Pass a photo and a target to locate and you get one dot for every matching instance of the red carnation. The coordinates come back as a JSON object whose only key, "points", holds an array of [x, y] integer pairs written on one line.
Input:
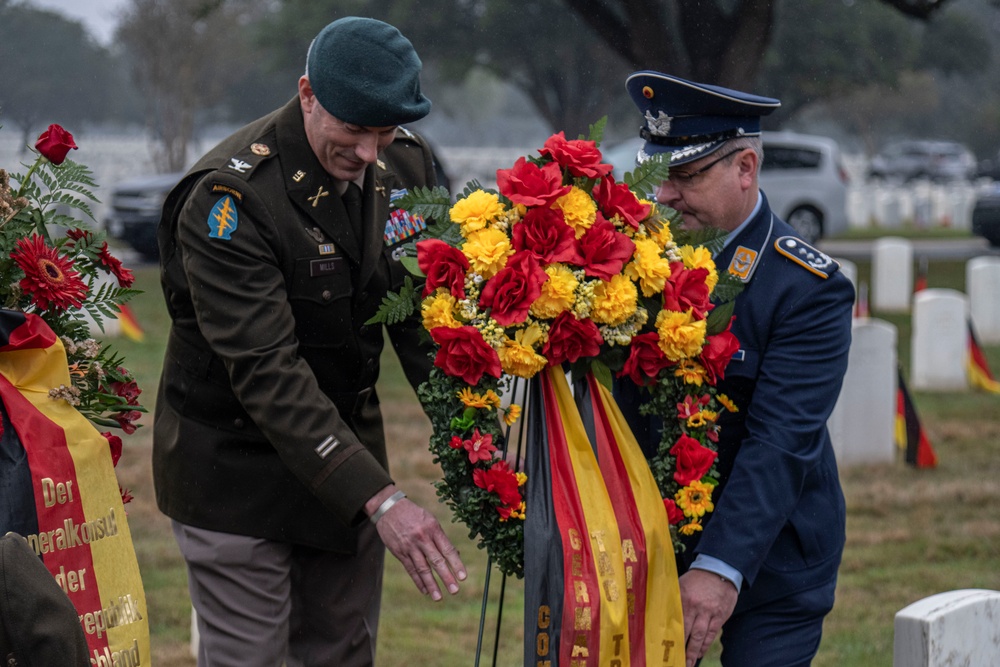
{"points": [[581, 157], [54, 143], [571, 339], [693, 460], [605, 250], [616, 199], [464, 354], [674, 513], [499, 479], [527, 183], [717, 353], [510, 293], [645, 359], [544, 233], [444, 266], [686, 288]]}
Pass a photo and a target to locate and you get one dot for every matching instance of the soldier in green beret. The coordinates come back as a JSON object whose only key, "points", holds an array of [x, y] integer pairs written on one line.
{"points": [[269, 451]]}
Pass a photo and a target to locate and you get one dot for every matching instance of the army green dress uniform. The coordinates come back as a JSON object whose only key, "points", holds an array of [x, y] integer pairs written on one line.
{"points": [[267, 422]]}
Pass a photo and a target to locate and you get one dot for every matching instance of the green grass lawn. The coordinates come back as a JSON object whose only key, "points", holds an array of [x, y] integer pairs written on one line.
{"points": [[911, 533]]}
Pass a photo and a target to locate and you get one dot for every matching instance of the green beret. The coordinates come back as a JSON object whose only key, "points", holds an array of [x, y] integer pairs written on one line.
{"points": [[365, 72]]}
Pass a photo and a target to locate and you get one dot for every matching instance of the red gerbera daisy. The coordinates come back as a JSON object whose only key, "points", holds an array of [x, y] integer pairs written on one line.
{"points": [[48, 278], [114, 267]]}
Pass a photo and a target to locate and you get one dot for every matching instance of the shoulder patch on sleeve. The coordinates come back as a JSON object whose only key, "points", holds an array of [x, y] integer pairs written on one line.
{"points": [[223, 219], [806, 256]]}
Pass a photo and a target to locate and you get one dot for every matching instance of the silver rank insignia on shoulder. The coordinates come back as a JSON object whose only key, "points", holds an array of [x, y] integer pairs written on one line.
{"points": [[806, 256], [239, 165]]}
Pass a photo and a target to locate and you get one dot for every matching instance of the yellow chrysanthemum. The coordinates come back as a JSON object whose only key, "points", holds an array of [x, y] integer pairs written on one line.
{"points": [[691, 528], [614, 301], [487, 251], [647, 267], [681, 336], [579, 210], [701, 258], [695, 499], [521, 478], [727, 403], [511, 414], [470, 399], [438, 310], [518, 356], [691, 371], [476, 211], [557, 292]]}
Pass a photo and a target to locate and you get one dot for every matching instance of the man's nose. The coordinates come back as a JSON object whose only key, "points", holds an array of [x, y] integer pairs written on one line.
{"points": [[367, 148], [667, 193]]}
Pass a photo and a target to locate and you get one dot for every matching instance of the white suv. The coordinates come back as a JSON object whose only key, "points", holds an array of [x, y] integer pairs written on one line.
{"points": [[805, 182], [802, 176]]}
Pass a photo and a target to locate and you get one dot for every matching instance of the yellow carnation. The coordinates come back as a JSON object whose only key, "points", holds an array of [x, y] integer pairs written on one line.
{"points": [[614, 301], [681, 336], [518, 356], [487, 251], [438, 310], [476, 211], [701, 258], [579, 210], [648, 267], [557, 292]]}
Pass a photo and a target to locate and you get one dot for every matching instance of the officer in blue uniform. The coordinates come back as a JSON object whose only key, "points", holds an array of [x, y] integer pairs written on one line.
{"points": [[765, 567]]}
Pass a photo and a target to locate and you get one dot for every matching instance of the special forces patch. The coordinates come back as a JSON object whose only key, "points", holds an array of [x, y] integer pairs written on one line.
{"points": [[223, 219], [401, 224], [806, 256]]}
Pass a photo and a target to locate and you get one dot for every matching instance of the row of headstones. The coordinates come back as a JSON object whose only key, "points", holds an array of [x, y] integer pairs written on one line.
{"points": [[921, 204], [863, 423]]}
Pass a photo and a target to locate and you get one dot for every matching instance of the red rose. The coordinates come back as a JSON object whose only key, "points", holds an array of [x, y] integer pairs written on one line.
{"points": [[115, 443], [581, 157], [510, 293], [674, 513], [717, 353], [444, 266], [54, 143], [527, 183], [499, 479], [605, 250], [686, 288], [570, 339], [693, 460], [616, 199], [464, 354], [544, 233], [645, 359]]}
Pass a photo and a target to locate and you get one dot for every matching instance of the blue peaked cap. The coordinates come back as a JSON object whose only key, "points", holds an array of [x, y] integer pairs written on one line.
{"points": [[691, 120]]}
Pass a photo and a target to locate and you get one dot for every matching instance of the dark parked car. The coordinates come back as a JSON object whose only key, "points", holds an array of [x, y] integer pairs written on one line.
{"points": [[935, 160], [134, 211], [986, 215]]}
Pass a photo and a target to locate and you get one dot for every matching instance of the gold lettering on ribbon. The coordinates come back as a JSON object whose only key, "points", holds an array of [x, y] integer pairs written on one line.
{"points": [[574, 539], [580, 592], [577, 565], [668, 646], [542, 638], [628, 552], [580, 647], [582, 621]]}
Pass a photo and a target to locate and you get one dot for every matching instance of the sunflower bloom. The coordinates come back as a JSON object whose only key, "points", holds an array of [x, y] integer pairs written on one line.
{"points": [[487, 251], [470, 399], [518, 356], [727, 403], [695, 499], [48, 278], [691, 528], [647, 267], [438, 311], [680, 335], [701, 258], [512, 414], [614, 301], [691, 371], [476, 211], [491, 398], [579, 210], [557, 292]]}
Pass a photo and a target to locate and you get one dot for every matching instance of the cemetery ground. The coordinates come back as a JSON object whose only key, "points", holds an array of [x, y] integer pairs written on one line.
{"points": [[910, 533]]}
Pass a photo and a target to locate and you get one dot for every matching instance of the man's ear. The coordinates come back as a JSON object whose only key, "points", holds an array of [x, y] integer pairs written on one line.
{"points": [[747, 163], [307, 99]]}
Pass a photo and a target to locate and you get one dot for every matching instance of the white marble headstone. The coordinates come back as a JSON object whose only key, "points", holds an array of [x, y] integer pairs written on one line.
{"points": [[954, 629], [863, 421], [892, 275], [940, 340], [982, 282]]}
